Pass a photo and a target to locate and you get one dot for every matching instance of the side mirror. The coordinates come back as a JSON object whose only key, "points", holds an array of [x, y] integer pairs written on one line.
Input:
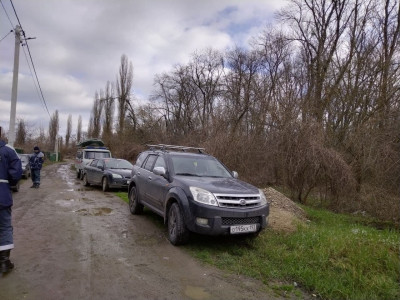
{"points": [[235, 174], [160, 171]]}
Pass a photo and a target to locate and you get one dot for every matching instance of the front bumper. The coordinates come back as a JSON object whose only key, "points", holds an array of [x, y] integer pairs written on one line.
{"points": [[119, 183], [220, 220]]}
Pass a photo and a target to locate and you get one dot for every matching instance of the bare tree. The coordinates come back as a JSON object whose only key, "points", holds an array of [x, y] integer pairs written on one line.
{"points": [[69, 130], [79, 130], [21, 134], [54, 127], [318, 27], [108, 112], [124, 86], [95, 117]]}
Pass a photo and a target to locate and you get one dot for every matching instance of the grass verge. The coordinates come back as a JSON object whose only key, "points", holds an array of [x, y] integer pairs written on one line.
{"points": [[334, 257]]}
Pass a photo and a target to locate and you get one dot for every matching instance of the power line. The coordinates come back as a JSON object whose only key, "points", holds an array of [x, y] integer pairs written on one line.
{"points": [[30, 70], [6, 35], [12, 26], [33, 65]]}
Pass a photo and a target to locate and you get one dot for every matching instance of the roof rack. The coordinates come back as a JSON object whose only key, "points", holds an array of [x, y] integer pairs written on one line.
{"points": [[173, 147]]}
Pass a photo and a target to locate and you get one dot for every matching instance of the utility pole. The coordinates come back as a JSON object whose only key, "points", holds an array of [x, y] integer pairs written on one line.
{"points": [[11, 136]]}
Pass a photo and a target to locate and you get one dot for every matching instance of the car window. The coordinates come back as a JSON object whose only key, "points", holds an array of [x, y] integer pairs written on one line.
{"points": [[160, 162], [100, 164], [140, 159], [95, 154], [94, 163], [24, 158], [202, 166], [149, 162], [118, 164]]}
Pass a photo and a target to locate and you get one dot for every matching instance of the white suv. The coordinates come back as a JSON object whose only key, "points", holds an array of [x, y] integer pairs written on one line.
{"points": [[86, 155]]}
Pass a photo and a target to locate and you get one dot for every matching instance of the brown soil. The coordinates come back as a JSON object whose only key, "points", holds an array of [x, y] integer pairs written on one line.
{"points": [[285, 215]]}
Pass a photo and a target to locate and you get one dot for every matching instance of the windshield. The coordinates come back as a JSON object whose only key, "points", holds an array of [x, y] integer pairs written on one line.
{"points": [[199, 166], [118, 164], [96, 154], [24, 158]]}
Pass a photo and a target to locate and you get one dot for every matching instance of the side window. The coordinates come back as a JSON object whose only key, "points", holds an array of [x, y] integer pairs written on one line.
{"points": [[149, 162], [100, 163], [93, 163], [140, 159], [160, 162]]}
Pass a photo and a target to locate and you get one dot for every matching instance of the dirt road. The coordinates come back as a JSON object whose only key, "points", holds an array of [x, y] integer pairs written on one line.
{"points": [[76, 242]]}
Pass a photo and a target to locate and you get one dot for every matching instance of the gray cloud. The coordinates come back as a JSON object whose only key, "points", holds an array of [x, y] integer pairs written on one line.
{"points": [[79, 45]]}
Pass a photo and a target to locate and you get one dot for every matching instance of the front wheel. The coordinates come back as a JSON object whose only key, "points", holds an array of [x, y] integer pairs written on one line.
{"points": [[85, 181], [134, 206], [105, 185], [178, 234]]}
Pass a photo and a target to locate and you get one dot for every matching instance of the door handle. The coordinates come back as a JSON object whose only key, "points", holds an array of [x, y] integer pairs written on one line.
{"points": [[149, 178]]}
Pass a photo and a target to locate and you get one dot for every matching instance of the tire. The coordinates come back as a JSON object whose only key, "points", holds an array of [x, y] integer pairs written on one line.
{"points": [[105, 185], [85, 181], [134, 205], [78, 174], [177, 231], [81, 175]]}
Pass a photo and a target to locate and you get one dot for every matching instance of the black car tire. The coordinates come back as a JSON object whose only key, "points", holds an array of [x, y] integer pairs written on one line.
{"points": [[105, 184], [177, 231], [134, 205], [78, 174], [85, 181]]}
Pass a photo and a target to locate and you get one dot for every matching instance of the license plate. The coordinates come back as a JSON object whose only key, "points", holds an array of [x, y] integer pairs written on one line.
{"points": [[243, 228]]}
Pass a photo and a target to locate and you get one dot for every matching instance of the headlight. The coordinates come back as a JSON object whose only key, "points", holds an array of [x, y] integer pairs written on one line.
{"points": [[262, 197], [203, 196], [116, 175]]}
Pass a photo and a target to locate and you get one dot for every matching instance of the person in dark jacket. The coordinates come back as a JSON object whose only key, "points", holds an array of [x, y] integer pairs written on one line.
{"points": [[36, 162], [10, 174]]}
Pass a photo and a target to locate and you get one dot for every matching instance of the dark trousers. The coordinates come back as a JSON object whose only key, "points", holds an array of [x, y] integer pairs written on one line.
{"points": [[35, 176], [6, 229]]}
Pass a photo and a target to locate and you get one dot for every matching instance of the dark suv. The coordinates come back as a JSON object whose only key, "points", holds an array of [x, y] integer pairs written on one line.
{"points": [[195, 192]]}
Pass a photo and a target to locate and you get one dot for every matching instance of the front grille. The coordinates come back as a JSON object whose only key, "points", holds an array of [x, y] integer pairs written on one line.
{"points": [[240, 221], [238, 201]]}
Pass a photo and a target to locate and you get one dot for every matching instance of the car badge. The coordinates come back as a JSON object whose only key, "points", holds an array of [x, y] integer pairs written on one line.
{"points": [[242, 202]]}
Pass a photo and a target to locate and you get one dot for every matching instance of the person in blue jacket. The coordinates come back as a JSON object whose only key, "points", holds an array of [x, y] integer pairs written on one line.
{"points": [[36, 161], [10, 174]]}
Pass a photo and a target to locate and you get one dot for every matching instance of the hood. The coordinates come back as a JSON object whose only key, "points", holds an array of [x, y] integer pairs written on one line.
{"points": [[219, 185], [123, 172]]}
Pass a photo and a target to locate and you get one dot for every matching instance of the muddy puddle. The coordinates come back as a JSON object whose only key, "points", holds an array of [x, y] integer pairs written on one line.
{"points": [[98, 211], [196, 293]]}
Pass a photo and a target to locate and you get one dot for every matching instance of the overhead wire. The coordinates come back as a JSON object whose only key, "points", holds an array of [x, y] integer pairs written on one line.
{"points": [[12, 26], [33, 65], [30, 70], [6, 35]]}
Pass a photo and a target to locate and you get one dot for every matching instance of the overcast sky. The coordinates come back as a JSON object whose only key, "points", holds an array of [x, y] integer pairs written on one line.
{"points": [[79, 44]]}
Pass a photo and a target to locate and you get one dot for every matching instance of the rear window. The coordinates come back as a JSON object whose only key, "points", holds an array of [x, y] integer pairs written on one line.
{"points": [[96, 154], [140, 159]]}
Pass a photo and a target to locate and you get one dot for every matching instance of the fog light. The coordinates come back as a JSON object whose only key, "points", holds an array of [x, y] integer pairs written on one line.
{"points": [[202, 221]]}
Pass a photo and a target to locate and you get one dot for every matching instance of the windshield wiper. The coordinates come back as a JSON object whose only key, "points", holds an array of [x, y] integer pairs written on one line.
{"points": [[188, 174]]}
